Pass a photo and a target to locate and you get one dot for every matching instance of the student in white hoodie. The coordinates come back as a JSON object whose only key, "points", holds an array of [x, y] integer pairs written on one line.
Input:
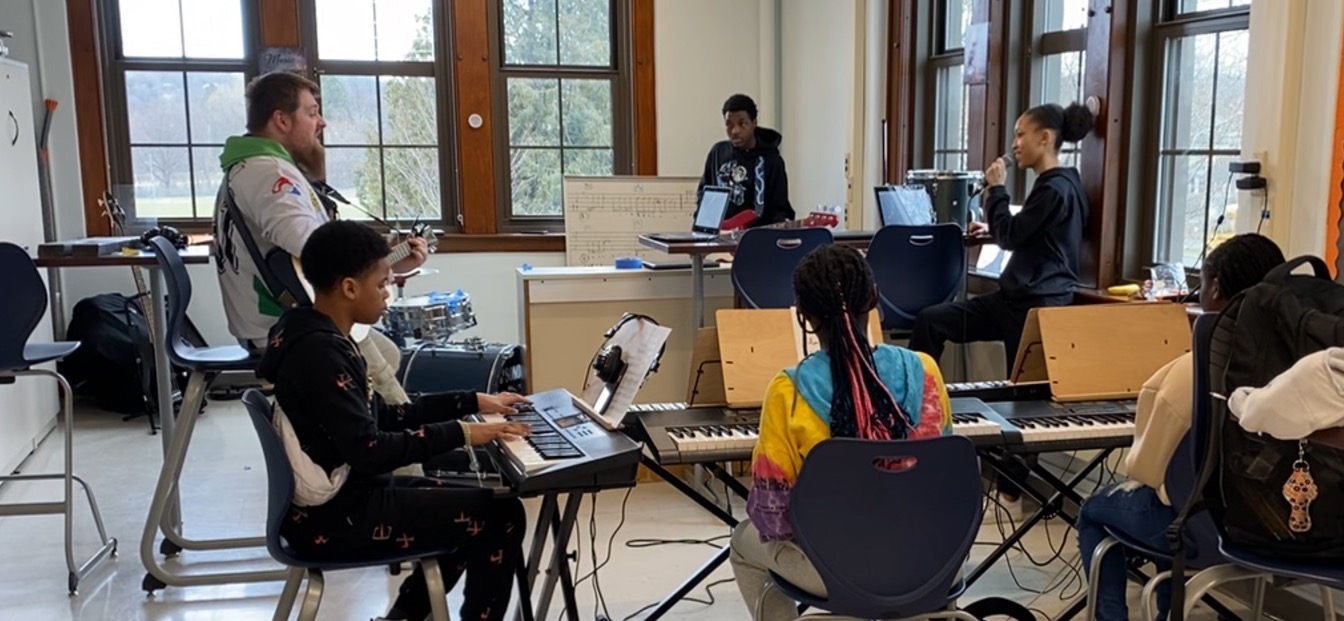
{"points": [[1140, 507]]}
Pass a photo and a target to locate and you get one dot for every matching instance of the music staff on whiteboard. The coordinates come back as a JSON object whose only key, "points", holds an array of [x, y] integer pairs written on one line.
{"points": [[749, 164]]}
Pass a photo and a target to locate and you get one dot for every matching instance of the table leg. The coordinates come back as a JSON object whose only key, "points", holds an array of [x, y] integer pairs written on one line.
{"points": [[698, 290]]}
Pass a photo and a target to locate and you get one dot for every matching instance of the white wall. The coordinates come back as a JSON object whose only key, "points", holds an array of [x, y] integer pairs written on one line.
{"points": [[704, 51], [1290, 118], [818, 86]]}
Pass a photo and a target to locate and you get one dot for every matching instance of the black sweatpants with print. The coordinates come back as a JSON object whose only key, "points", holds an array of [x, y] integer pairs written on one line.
{"points": [[371, 517]]}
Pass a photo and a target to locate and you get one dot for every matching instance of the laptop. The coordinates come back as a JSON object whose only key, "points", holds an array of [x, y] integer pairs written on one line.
{"points": [[906, 205], [708, 219]]}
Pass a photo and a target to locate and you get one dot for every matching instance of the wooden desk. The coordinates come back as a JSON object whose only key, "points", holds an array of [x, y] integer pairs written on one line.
{"points": [[191, 255], [697, 250], [198, 254]]}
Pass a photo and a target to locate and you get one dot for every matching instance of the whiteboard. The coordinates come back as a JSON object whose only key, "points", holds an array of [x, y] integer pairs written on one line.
{"points": [[604, 216]]}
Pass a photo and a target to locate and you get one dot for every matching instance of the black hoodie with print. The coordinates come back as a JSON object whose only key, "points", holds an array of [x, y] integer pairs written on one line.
{"points": [[321, 384], [755, 178]]}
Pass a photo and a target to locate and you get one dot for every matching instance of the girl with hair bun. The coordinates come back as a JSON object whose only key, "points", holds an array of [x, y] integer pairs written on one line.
{"points": [[1045, 239]]}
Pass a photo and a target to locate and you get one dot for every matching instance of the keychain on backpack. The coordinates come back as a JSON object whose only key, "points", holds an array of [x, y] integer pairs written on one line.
{"points": [[1300, 490]]}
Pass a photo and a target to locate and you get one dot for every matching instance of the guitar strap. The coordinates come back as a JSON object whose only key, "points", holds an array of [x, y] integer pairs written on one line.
{"points": [[282, 294]]}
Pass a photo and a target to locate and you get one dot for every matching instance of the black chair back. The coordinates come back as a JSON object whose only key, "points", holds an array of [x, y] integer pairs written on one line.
{"points": [[888, 525], [279, 474], [916, 267], [22, 304], [764, 262]]}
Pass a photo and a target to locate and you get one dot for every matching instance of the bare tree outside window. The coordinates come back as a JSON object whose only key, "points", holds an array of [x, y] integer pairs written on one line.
{"points": [[561, 80], [1202, 104], [175, 77]]}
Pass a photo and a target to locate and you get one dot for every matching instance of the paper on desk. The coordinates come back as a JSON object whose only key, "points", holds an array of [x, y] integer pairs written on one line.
{"points": [[640, 340]]}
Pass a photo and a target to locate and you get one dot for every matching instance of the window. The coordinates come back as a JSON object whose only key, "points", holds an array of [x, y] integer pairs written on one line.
{"points": [[1059, 55], [175, 73], [1203, 91], [950, 107], [384, 99], [564, 86]]}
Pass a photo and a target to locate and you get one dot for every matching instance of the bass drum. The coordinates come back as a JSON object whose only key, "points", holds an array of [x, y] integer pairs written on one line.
{"points": [[463, 365]]}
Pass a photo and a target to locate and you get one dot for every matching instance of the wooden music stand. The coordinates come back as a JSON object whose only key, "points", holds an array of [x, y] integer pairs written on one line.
{"points": [[1099, 351], [756, 344], [704, 386]]}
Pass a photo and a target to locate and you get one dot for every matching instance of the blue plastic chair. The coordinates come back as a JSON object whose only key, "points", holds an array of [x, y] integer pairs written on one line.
{"points": [[205, 363], [888, 542], [915, 267], [764, 262], [280, 486], [22, 306], [1201, 535]]}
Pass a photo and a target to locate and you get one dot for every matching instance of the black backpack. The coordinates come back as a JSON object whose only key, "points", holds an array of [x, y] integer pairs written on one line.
{"points": [[1263, 332], [114, 365]]}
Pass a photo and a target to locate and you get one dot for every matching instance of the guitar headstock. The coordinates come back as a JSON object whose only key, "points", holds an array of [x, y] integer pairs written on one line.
{"points": [[114, 212], [425, 230]]}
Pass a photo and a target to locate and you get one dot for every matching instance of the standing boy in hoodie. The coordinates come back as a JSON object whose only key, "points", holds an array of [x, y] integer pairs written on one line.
{"points": [[748, 163]]}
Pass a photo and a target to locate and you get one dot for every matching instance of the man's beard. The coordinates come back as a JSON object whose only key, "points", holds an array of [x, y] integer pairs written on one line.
{"points": [[313, 162]]}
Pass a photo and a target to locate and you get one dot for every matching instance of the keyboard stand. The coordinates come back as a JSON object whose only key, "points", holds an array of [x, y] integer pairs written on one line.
{"points": [[719, 557], [550, 522]]}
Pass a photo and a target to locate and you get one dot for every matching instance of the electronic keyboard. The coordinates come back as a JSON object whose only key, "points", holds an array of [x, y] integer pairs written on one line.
{"points": [[1048, 426], [567, 451], [679, 434], [1000, 390]]}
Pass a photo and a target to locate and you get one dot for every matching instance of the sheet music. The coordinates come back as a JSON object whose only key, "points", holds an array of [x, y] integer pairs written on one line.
{"points": [[604, 216], [640, 341]]}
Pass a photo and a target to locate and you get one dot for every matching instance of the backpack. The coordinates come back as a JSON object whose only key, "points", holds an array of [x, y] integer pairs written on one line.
{"points": [[1263, 332], [114, 365]]}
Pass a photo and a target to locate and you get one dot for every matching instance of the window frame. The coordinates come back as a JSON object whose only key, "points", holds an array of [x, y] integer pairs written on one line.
{"points": [[1169, 27], [450, 212], [1039, 45], [941, 56], [116, 114], [621, 76]]}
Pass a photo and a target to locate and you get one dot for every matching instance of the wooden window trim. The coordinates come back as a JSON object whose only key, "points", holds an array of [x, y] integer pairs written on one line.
{"points": [[278, 24]]}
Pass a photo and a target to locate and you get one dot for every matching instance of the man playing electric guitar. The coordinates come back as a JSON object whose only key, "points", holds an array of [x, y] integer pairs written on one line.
{"points": [[266, 203]]}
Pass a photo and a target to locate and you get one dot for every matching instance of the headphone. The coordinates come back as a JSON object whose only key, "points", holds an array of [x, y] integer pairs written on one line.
{"points": [[174, 237], [609, 362]]}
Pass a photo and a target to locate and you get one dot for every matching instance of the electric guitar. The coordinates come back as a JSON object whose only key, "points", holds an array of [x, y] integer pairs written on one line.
{"points": [[289, 272]]}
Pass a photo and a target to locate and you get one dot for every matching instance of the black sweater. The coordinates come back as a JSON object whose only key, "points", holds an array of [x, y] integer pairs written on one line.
{"points": [[1045, 237], [321, 383]]}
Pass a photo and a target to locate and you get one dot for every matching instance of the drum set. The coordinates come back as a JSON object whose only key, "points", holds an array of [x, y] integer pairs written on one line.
{"points": [[433, 317]]}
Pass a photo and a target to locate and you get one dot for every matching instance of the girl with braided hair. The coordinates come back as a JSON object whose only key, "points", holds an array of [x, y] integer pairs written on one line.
{"points": [[847, 389], [1139, 507]]}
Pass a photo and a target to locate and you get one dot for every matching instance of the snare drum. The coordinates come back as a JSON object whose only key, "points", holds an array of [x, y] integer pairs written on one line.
{"points": [[433, 317]]}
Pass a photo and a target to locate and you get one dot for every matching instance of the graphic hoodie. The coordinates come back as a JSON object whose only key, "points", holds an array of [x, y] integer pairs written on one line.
{"points": [[322, 386], [756, 179], [280, 209]]}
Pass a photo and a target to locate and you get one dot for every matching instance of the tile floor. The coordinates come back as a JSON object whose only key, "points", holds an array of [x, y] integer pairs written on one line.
{"points": [[224, 495]]}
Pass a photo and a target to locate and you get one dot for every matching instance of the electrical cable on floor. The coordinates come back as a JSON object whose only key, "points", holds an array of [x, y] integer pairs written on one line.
{"points": [[709, 590]]}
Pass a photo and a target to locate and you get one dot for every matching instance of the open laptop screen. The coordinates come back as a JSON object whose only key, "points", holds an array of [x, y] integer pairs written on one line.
{"points": [[713, 204], [904, 205]]}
